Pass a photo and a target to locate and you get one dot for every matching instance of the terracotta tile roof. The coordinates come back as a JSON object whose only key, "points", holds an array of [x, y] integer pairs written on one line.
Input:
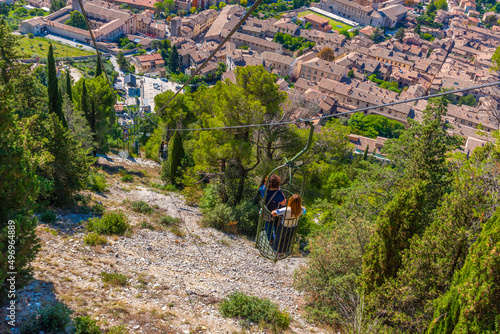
{"points": [[316, 19]]}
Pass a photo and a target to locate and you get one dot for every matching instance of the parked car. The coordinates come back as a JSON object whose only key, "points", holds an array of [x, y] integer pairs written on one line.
{"points": [[164, 79]]}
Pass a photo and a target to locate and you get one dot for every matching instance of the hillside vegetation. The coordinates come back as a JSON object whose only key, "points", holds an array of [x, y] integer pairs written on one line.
{"points": [[407, 244]]}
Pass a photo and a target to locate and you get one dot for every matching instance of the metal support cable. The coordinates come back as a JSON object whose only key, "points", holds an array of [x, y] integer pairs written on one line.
{"points": [[347, 112], [238, 25]]}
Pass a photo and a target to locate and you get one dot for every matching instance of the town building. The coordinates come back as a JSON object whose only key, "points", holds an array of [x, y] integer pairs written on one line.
{"points": [[318, 23], [255, 43], [148, 26], [375, 12], [283, 65], [107, 24], [317, 69], [228, 18], [146, 63], [194, 25]]}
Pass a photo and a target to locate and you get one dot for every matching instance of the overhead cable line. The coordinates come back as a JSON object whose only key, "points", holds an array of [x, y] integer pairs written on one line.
{"points": [[99, 59], [344, 113], [221, 44]]}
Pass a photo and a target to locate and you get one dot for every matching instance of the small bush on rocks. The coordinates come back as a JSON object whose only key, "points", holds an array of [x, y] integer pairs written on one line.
{"points": [[110, 223], [93, 239], [249, 308], [141, 207], [170, 187], [210, 197], [169, 220], [220, 217], [48, 217], [148, 226], [192, 195], [97, 182], [114, 279], [127, 178], [98, 208], [118, 330], [51, 318], [177, 231], [85, 325], [246, 213]]}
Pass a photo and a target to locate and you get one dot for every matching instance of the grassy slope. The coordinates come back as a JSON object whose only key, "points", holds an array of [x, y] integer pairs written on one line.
{"points": [[60, 50], [333, 23]]}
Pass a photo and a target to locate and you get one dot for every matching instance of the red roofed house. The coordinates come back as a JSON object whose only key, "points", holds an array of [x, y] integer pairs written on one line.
{"points": [[149, 62], [318, 23], [368, 31]]}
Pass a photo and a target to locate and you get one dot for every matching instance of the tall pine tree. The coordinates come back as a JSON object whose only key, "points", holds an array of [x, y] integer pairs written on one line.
{"points": [[55, 102], [420, 153], [68, 86]]}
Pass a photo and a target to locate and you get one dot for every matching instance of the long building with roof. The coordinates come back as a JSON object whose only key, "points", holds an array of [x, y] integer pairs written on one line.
{"points": [[107, 24], [376, 13]]}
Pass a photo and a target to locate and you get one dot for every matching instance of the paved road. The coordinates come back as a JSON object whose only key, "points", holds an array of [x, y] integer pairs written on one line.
{"points": [[115, 65], [69, 42]]}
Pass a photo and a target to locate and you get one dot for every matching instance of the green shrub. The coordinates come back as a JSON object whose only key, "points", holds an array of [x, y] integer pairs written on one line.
{"points": [[147, 225], [85, 325], [192, 195], [170, 187], [127, 178], [220, 217], [114, 279], [177, 231], [118, 330], [30, 36], [98, 208], [169, 220], [254, 309], [51, 318], [141, 207], [246, 213], [48, 217], [83, 199], [210, 198], [97, 182], [93, 239], [111, 223]]}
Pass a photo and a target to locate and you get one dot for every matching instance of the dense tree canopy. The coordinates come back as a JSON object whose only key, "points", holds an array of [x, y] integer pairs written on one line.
{"points": [[77, 20]]}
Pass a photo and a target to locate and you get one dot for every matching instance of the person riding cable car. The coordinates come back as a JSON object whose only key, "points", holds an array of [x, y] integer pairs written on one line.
{"points": [[288, 224], [275, 199]]}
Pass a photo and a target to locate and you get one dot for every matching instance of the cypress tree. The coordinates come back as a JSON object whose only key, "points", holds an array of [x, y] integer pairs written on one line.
{"points": [[98, 69], [84, 103], [365, 155], [174, 60], [176, 155], [92, 122], [59, 108], [55, 103], [68, 86]]}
